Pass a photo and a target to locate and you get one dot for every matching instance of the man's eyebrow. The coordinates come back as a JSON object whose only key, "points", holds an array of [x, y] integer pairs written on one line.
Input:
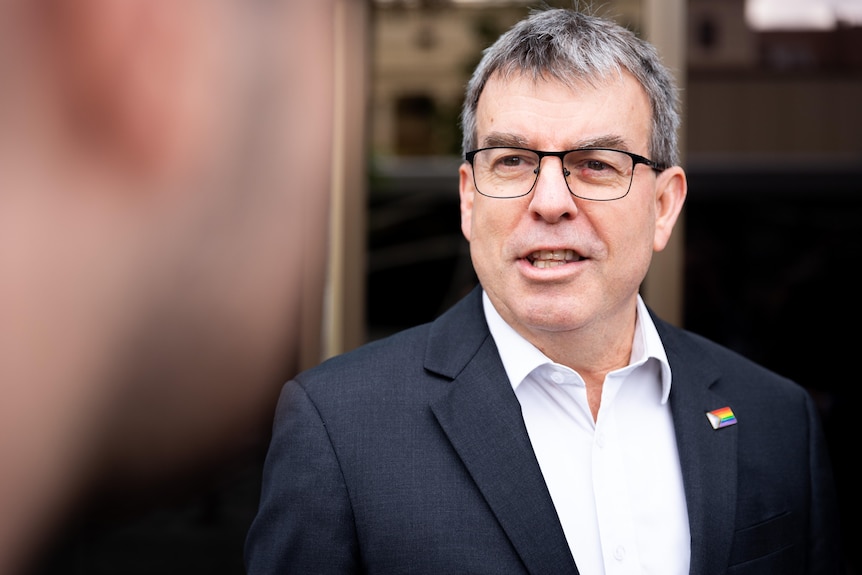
{"points": [[609, 141], [507, 139], [504, 139]]}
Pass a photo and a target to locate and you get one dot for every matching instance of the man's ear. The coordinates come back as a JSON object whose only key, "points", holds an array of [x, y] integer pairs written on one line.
{"points": [[671, 190], [467, 192]]}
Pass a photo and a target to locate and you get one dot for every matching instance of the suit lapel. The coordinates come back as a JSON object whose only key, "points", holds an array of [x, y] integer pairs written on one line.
{"points": [[708, 456], [482, 419]]}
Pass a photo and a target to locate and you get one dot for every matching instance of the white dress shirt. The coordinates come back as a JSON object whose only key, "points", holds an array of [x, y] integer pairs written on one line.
{"points": [[616, 482]]}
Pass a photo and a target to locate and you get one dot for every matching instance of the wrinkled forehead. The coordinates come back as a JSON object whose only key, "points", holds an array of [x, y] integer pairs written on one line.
{"points": [[568, 88], [526, 110]]}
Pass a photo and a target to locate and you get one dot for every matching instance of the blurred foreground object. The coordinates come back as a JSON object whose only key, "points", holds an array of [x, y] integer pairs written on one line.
{"points": [[164, 179]]}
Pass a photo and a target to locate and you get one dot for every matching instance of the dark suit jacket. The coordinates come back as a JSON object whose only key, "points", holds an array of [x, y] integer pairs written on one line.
{"points": [[410, 455]]}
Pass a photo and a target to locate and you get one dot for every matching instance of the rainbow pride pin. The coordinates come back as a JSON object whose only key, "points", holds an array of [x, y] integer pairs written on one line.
{"points": [[722, 417]]}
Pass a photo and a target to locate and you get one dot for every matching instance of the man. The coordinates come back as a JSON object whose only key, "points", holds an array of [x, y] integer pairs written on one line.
{"points": [[549, 422], [163, 203]]}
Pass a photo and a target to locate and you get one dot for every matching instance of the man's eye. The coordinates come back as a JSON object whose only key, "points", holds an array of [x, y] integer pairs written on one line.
{"points": [[595, 165]]}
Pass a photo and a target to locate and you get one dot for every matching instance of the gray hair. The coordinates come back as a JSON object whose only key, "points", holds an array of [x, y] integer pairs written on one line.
{"points": [[572, 47]]}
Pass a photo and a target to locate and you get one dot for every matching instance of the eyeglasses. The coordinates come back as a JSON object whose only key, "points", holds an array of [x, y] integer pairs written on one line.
{"points": [[599, 174]]}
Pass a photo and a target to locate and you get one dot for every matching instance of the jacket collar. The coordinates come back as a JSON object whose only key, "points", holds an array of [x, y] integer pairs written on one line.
{"points": [[482, 419], [708, 456]]}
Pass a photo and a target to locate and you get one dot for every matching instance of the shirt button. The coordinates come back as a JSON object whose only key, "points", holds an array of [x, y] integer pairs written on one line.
{"points": [[620, 553], [600, 439], [557, 377]]}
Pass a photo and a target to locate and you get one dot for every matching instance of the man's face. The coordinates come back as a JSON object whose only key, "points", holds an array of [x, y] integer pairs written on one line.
{"points": [[612, 241]]}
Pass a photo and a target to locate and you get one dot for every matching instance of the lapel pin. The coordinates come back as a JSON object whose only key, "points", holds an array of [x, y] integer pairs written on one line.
{"points": [[722, 417]]}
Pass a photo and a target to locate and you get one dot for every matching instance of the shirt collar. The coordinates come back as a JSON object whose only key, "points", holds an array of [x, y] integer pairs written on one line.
{"points": [[520, 357]]}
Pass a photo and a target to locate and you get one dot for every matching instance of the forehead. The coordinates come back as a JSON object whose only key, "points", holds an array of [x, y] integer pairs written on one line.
{"points": [[548, 114]]}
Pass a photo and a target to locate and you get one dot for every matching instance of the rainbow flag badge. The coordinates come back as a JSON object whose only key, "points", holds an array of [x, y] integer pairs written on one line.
{"points": [[722, 417]]}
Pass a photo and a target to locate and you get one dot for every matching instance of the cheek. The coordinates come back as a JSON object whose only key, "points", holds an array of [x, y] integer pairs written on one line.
{"points": [[491, 226], [493, 222], [628, 233]]}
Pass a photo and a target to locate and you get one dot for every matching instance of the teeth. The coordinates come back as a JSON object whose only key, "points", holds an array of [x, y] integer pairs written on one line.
{"points": [[552, 258]]}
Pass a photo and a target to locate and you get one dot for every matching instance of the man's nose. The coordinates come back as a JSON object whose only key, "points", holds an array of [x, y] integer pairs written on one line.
{"points": [[551, 198]]}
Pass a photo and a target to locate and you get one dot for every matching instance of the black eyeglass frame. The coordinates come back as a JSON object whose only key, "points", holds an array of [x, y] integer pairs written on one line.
{"points": [[636, 159]]}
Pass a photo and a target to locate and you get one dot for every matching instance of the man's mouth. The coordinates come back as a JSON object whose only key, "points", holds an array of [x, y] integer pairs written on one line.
{"points": [[552, 258]]}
